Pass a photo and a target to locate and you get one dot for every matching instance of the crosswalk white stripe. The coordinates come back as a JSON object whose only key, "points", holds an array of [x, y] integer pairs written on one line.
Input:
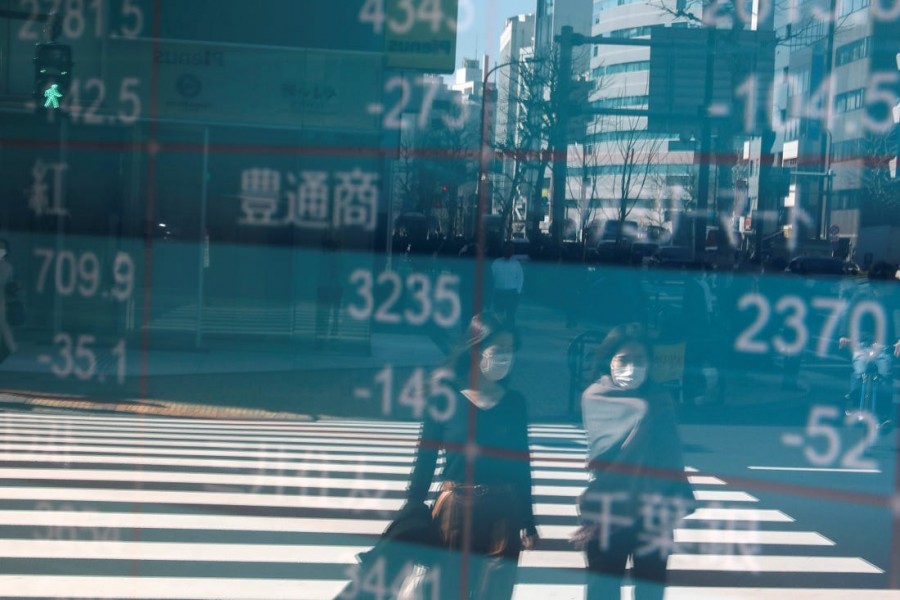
{"points": [[268, 426], [770, 564], [212, 498], [717, 496], [143, 520], [220, 498], [229, 431], [154, 588], [74, 452], [753, 536], [290, 481], [173, 551], [739, 514], [267, 462], [720, 593], [34, 443], [346, 555], [139, 443], [203, 588], [322, 438], [705, 480], [75, 429], [187, 422], [295, 480]]}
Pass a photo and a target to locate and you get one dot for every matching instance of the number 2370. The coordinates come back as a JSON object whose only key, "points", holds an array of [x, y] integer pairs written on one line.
{"points": [[439, 302]]}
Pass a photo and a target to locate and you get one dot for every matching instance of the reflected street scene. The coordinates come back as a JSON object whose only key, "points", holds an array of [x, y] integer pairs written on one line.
{"points": [[449, 299]]}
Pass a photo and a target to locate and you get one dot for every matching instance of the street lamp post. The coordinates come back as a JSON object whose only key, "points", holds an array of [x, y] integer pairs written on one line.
{"points": [[484, 158]]}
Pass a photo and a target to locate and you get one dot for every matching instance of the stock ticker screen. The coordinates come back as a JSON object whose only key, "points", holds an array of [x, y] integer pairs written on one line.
{"points": [[449, 299]]}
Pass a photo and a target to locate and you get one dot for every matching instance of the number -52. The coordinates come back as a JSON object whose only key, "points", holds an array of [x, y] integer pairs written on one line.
{"points": [[819, 428]]}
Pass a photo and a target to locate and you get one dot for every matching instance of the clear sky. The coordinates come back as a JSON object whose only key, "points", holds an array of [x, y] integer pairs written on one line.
{"points": [[487, 26]]}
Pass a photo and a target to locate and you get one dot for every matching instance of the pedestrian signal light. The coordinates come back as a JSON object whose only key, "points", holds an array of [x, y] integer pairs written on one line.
{"points": [[52, 74]]}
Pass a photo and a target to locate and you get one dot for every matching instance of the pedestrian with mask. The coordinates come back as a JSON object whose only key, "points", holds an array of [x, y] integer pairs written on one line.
{"points": [[638, 489], [483, 512]]}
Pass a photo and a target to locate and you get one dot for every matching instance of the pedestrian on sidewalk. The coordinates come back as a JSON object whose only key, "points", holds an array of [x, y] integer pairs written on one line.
{"points": [[7, 340], [638, 491], [483, 511], [508, 278]]}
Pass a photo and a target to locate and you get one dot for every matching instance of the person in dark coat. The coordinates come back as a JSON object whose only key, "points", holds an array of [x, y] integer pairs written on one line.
{"points": [[483, 511], [638, 489]]}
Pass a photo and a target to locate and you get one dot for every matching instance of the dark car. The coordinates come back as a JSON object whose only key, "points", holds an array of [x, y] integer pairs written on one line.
{"points": [[676, 257], [822, 265]]}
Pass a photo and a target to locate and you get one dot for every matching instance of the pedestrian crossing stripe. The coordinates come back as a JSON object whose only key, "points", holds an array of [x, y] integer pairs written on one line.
{"points": [[197, 483]]}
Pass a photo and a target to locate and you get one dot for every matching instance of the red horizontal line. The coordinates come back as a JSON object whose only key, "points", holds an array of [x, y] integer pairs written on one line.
{"points": [[723, 158]]}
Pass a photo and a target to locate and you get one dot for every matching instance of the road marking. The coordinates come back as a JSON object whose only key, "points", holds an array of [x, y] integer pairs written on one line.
{"points": [[770, 564], [716, 496], [76, 452], [739, 514], [745, 536], [705, 480], [374, 439], [63, 518], [142, 444], [814, 469]]}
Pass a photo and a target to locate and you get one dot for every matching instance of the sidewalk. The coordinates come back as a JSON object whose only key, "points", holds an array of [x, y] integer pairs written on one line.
{"points": [[278, 378]]}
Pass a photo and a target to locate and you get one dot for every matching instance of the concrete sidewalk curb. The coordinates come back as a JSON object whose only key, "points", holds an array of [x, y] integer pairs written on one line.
{"points": [[156, 408]]}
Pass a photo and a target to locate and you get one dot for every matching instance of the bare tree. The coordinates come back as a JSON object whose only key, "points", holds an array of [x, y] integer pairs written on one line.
{"points": [[629, 161], [532, 111], [584, 158], [880, 192]]}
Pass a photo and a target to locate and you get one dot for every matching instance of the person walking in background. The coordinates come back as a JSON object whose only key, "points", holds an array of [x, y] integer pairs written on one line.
{"points": [[638, 491], [7, 340], [508, 281], [483, 512]]}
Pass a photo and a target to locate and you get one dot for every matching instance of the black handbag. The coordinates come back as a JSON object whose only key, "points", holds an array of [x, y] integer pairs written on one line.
{"points": [[15, 308]]}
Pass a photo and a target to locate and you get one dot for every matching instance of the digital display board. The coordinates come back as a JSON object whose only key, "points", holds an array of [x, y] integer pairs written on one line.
{"points": [[292, 305]]}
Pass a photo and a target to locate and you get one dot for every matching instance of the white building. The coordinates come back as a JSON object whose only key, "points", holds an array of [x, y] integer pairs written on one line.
{"points": [[619, 162]]}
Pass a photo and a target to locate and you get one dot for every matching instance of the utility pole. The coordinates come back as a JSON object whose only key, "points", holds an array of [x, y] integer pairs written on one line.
{"points": [[560, 141]]}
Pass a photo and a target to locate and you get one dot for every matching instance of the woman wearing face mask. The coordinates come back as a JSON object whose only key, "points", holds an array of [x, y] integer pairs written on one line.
{"points": [[484, 510], [638, 489], [6, 276]]}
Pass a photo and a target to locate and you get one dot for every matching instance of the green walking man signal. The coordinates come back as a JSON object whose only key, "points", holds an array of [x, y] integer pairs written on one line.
{"points": [[52, 95]]}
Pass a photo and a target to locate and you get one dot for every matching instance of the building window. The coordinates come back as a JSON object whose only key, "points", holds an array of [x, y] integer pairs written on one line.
{"points": [[607, 4], [851, 6], [630, 32], [622, 102], [853, 51], [627, 67], [849, 101]]}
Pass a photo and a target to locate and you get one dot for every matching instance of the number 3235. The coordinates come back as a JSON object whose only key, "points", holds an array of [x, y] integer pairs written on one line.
{"points": [[423, 301]]}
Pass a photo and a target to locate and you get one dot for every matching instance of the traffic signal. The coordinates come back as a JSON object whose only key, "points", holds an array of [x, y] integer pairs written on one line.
{"points": [[52, 74]]}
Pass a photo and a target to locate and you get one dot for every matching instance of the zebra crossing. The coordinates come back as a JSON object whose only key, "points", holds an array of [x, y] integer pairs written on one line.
{"points": [[129, 507]]}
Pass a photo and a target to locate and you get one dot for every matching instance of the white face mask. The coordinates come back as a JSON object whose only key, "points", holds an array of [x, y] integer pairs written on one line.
{"points": [[496, 364], [629, 369]]}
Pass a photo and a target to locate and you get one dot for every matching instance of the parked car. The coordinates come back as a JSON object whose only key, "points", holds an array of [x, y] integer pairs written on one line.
{"points": [[676, 257], [822, 265]]}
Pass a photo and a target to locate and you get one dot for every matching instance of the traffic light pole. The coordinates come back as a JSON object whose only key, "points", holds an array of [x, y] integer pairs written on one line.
{"points": [[567, 40], [560, 139]]}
